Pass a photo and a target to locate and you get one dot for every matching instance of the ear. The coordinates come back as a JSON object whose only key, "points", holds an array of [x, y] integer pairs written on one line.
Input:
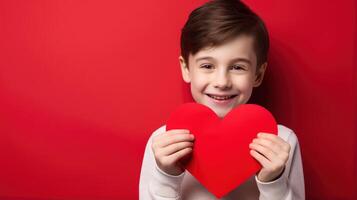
{"points": [[259, 75], [184, 70]]}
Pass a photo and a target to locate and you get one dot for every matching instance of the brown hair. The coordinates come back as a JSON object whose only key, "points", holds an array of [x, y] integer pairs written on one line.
{"points": [[218, 21]]}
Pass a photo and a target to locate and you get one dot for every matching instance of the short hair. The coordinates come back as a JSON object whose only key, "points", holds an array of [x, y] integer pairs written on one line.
{"points": [[218, 21]]}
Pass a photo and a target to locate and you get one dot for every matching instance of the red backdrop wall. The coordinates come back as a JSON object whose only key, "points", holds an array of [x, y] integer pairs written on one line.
{"points": [[84, 83]]}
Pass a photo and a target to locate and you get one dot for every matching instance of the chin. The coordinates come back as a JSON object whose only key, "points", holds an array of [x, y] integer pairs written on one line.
{"points": [[222, 113]]}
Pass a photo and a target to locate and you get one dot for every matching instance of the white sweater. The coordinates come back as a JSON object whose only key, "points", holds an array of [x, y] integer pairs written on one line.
{"points": [[155, 184]]}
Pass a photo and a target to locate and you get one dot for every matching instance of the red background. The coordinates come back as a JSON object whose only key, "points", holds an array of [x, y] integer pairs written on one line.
{"points": [[84, 83]]}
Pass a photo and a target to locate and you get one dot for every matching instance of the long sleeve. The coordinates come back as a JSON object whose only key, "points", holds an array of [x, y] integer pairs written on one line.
{"points": [[154, 183], [290, 185]]}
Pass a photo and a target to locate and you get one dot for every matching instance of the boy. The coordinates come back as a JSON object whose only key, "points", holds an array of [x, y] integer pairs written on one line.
{"points": [[224, 47]]}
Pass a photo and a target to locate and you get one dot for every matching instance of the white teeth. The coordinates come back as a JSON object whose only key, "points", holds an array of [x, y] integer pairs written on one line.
{"points": [[221, 97]]}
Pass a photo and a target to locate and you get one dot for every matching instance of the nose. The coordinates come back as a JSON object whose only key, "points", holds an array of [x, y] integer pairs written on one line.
{"points": [[222, 80]]}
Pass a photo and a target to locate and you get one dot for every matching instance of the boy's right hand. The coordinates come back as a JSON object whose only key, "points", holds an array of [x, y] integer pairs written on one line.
{"points": [[170, 147]]}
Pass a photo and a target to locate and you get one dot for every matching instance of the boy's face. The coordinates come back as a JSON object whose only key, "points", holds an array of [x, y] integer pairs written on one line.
{"points": [[223, 77]]}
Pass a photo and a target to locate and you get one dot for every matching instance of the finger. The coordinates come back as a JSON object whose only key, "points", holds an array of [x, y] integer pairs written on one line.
{"points": [[260, 158], [277, 149], [173, 131], [170, 149], [179, 154], [175, 138], [266, 152], [170, 132], [275, 138], [268, 144], [271, 136]]}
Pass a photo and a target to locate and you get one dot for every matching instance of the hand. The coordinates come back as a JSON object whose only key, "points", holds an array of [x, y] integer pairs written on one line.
{"points": [[272, 152], [171, 147]]}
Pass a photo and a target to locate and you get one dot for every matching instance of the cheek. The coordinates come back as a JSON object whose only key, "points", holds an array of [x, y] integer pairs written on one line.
{"points": [[198, 86], [244, 83], [199, 81], [245, 87]]}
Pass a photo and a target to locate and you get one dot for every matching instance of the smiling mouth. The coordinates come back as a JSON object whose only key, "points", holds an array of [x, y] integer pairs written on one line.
{"points": [[221, 98]]}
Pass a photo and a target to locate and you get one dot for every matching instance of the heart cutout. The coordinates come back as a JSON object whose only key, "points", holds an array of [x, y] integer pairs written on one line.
{"points": [[220, 160]]}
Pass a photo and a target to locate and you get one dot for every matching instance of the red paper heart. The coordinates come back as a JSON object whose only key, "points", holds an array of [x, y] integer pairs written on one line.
{"points": [[220, 159]]}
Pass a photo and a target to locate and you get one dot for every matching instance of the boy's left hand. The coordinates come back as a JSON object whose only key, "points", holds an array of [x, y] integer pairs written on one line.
{"points": [[272, 152]]}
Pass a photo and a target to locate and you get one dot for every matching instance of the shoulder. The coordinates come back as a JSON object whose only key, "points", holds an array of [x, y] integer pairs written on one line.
{"points": [[287, 134]]}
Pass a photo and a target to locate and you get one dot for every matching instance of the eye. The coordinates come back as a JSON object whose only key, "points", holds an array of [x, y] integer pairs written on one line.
{"points": [[206, 66], [237, 67]]}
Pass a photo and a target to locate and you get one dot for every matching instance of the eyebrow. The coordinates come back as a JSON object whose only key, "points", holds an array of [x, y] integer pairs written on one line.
{"points": [[233, 60]]}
